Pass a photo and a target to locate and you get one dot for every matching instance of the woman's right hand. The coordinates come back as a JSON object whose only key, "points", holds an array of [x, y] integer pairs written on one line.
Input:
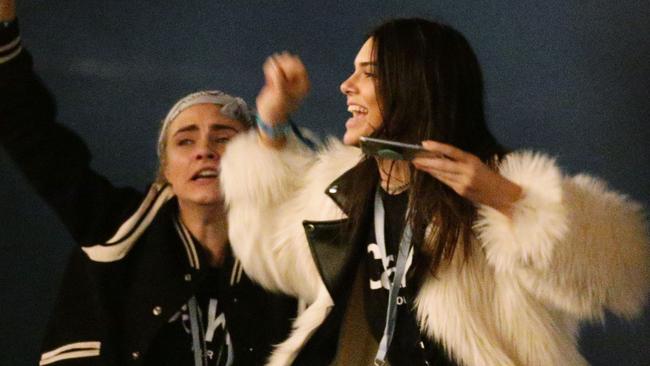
{"points": [[286, 85]]}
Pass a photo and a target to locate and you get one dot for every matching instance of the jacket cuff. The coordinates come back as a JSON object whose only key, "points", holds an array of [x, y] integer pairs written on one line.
{"points": [[539, 217], [10, 45], [253, 172]]}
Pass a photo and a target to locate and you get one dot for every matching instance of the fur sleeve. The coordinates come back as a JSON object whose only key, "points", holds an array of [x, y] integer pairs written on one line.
{"points": [[571, 241], [260, 174], [269, 193]]}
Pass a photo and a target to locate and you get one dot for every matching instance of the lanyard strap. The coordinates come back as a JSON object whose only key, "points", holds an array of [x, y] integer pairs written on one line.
{"points": [[398, 278], [195, 324]]}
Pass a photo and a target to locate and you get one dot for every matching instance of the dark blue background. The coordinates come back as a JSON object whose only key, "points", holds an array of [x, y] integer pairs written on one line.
{"points": [[570, 78]]}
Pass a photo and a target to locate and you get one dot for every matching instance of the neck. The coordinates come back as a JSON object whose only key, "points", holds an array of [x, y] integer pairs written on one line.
{"points": [[395, 175], [208, 225]]}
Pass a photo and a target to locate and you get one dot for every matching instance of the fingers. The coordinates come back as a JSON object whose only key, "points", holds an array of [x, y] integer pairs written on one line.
{"points": [[289, 66], [438, 167], [444, 149], [286, 72], [459, 175], [437, 164], [286, 85], [295, 72], [447, 178], [273, 75], [450, 179]]}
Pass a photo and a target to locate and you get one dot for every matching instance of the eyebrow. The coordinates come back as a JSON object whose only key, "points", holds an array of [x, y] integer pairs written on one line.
{"points": [[213, 127]]}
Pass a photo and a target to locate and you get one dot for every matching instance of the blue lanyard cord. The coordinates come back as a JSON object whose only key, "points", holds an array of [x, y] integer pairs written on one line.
{"points": [[398, 278], [197, 344], [305, 140]]}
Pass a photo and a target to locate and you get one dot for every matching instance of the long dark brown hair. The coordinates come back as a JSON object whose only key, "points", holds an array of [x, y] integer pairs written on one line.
{"points": [[430, 87]]}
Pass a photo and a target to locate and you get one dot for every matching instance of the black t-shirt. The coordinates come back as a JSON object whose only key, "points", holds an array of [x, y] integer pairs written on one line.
{"points": [[408, 346], [173, 343]]}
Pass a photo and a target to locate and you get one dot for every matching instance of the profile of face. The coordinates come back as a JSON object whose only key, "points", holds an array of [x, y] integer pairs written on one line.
{"points": [[195, 141], [361, 95]]}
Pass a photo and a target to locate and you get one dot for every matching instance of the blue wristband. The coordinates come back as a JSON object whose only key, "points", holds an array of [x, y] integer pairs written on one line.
{"points": [[273, 132]]}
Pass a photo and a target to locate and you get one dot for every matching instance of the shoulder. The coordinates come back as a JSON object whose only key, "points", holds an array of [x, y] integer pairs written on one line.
{"points": [[131, 229], [333, 160]]}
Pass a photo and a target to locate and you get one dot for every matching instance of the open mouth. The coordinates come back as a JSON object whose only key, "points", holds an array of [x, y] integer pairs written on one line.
{"points": [[357, 110], [208, 173]]}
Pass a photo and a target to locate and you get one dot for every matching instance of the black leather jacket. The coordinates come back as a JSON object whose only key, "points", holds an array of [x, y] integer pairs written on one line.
{"points": [[337, 249]]}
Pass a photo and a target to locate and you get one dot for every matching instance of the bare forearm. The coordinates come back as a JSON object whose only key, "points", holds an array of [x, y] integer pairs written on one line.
{"points": [[505, 199]]}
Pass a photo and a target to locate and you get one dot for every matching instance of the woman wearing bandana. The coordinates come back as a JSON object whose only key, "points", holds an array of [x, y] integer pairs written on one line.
{"points": [[152, 281]]}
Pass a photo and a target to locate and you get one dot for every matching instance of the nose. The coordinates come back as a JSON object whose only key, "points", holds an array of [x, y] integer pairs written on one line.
{"points": [[205, 151], [347, 86], [206, 155]]}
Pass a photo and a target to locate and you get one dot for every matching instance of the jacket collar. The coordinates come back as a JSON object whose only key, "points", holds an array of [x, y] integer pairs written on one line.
{"points": [[341, 189]]}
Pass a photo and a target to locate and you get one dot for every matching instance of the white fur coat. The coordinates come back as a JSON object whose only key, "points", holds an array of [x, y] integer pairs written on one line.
{"points": [[573, 249]]}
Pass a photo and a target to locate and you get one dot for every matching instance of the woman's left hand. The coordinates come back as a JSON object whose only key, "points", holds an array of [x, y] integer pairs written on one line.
{"points": [[468, 176]]}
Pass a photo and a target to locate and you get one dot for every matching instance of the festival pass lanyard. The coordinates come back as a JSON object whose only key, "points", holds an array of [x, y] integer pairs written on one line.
{"points": [[198, 331], [398, 278], [198, 343]]}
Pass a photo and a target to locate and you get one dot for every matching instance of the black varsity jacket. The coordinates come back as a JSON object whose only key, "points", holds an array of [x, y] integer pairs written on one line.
{"points": [[134, 266]]}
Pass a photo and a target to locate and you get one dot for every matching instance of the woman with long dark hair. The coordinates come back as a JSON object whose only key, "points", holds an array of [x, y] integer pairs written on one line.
{"points": [[467, 254]]}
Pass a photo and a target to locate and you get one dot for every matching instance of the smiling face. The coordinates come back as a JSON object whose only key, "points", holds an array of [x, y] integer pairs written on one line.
{"points": [[362, 97], [195, 141]]}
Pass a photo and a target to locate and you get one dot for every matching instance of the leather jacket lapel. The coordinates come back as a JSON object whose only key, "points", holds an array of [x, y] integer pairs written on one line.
{"points": [[333, 243]]}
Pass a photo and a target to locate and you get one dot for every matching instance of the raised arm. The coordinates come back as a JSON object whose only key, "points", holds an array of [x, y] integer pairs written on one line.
{"points": [[54, 159], [286, 85]]}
